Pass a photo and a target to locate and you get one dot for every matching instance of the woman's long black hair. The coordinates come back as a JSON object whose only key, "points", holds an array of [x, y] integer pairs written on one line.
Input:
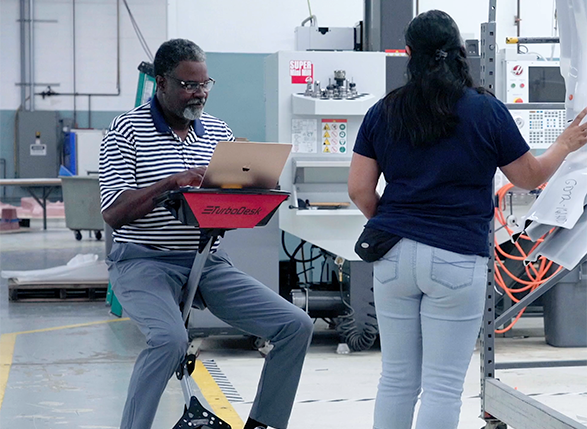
{"points": [[422, 111]]}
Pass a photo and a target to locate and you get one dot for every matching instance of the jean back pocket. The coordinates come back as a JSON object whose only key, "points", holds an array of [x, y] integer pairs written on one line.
{"points": [[386, 269], [451, 269]]}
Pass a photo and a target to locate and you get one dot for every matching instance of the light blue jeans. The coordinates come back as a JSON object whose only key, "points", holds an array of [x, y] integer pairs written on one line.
{"points": [[429, 304]]}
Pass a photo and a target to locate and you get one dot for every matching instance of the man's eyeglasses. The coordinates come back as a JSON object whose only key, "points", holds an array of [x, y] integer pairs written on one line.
{"points": [[192, 87]]}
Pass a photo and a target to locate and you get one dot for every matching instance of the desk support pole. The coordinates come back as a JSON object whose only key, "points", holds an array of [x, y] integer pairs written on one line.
{"points": [[196, 415], [194, 278]]}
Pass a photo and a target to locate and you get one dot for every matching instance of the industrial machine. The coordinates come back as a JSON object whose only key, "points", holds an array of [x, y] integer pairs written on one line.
{"points": [[560, 210], [534, 92], [317, 101], [528, 81]]}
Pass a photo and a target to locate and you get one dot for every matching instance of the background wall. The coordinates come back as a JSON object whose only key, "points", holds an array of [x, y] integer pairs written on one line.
{"points": [[259, 26], [236, 34], [85, 30]]}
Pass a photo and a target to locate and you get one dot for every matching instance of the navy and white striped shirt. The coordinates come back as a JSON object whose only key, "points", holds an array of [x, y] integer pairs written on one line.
{"points": [[139, 150]]}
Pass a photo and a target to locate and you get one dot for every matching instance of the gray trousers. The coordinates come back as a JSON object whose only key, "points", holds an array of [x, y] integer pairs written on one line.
{"points": [[148, 283]]}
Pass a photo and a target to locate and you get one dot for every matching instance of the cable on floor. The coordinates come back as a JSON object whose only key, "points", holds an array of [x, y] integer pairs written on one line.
{"points": [[536, 272]]}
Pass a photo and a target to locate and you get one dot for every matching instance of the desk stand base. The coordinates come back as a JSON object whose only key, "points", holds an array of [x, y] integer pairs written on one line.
{"points": [[196, 416]]}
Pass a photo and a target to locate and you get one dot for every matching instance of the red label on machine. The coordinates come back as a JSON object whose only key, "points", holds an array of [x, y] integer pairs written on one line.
{"points": [[518, 70], [229, 211], [301, 71]]}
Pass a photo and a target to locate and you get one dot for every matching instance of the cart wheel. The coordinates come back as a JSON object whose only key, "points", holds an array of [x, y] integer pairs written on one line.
{"points": [[78, 235], [98, 235]]}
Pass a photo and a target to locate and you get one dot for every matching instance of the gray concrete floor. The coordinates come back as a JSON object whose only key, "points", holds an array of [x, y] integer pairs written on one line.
{"points": [[72, 360]]}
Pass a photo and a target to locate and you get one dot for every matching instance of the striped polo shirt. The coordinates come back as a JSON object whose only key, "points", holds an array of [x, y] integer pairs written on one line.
{"points": [[139, 150]]}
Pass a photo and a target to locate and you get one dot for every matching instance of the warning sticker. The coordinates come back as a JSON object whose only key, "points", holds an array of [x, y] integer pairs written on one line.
{"points": [[38, 149], [301, 71], [334, 135], [304, 135]]}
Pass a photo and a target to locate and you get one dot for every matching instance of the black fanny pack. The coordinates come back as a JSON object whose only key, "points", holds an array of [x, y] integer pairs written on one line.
{"points": [[374, 243]]}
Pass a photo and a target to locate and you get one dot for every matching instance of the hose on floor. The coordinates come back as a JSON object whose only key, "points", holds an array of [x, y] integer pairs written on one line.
{"points": [[358, 340]]}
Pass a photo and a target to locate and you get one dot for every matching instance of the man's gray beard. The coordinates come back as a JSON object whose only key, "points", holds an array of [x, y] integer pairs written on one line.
{"points": [[193, 112]]}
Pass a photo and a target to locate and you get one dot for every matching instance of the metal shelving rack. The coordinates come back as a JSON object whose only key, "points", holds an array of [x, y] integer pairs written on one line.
{"points": [[502, 405]]}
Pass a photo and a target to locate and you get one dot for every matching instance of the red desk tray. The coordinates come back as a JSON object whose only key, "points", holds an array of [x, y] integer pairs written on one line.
{"points": [[223, 208]]}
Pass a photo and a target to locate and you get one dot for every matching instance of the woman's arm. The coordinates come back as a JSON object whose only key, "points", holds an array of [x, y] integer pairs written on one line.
{"points": [[363, 177]]}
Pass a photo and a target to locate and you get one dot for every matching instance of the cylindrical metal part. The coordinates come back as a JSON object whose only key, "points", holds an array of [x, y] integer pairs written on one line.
{"points": [[340, 78], [309, 89], [317, 300], [317, 90], [530, 40]]}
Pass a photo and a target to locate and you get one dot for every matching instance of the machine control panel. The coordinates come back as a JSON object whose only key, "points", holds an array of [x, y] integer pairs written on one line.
{"points": [[533, 82], [540, 128]]}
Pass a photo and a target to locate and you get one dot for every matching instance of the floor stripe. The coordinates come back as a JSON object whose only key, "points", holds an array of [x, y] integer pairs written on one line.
{"points": [[7, 342], [78, 325], [210, 389], [222, 381], [215, 397]]}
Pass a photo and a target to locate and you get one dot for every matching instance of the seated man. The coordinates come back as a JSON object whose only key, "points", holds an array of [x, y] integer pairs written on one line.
{"points": [[164, 145]]}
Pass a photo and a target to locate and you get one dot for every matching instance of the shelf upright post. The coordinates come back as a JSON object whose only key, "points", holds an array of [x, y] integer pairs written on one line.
{"points": [[488, 53], [502, 405]]}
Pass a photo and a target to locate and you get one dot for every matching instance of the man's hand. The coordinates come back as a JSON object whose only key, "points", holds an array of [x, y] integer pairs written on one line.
{"points": [[134, 204], [192, 177]]}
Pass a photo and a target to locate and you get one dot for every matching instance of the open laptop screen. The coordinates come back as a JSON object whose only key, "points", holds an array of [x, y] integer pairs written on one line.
{"points": [[239, 164]]}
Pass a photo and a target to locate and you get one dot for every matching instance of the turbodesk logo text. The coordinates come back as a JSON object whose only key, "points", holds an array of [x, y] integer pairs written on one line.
{"points": [[217, 210]]}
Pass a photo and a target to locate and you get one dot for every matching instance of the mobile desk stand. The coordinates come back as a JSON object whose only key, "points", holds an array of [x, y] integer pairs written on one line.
{"points": [[214, 211]]}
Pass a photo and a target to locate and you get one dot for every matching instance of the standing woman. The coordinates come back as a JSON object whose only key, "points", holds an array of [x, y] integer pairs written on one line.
{"points": [[438, 143]]}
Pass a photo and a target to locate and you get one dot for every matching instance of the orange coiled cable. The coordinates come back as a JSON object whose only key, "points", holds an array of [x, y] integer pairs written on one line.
{"points": [[534, 274]]}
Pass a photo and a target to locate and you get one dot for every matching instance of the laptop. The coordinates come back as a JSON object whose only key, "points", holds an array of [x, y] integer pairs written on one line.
{"points": [[238, 164]]}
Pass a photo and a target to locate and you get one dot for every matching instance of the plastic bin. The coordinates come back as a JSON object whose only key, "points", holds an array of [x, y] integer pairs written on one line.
{"points": [[81, 201], [565, 310]]}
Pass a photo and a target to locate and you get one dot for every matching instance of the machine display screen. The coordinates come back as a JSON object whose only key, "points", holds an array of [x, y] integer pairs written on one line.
{"points": [[545, 85]]}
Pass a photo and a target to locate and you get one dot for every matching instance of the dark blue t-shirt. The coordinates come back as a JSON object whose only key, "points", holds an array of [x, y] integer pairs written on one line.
{"points": [[442, 194]]}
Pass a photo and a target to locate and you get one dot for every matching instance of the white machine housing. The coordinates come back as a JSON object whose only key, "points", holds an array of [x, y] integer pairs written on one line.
{"points": [[319, 176]]}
